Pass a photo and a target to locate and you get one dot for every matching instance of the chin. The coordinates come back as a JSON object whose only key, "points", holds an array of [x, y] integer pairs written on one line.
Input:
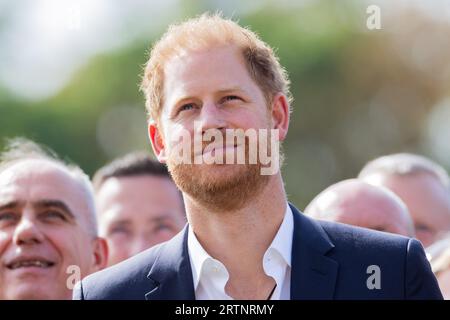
{"points": [[34, 292], [219, 187], [221, 177], [221, 171]]}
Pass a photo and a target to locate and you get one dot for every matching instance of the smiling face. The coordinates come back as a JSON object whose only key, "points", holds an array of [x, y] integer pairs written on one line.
{"points": [[213, 89], [138, 212], [43, 231]]}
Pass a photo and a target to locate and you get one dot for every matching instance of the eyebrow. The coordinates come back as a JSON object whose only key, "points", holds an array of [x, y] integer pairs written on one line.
{"points": [[226, 90], [126, 221], [220, 91], [121, 222], [10, 205], [46, 203], [162, 218]]}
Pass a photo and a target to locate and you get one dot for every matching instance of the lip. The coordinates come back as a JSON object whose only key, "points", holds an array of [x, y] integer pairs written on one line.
{"points": [[29, 263], [219, 148]]}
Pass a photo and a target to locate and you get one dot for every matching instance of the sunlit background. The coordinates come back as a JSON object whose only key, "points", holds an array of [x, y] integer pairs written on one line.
{"points": [[70, 71]]}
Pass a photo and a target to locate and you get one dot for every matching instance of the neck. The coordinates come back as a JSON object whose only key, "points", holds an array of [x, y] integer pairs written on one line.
{"points": [[240, 238]]}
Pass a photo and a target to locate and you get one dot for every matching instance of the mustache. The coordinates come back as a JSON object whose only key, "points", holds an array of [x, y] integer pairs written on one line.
{"points": [[218, 144], [229, 146]]}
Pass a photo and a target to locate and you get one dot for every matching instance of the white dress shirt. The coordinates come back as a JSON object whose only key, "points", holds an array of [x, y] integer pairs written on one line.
{"points": [[210, 275]]}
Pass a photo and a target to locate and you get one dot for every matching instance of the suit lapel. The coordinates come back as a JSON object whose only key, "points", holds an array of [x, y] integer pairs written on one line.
{"points": [[313, 274], [171, 276]]}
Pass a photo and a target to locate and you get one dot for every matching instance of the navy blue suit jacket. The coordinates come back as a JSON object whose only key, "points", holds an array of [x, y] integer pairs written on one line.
{"points": [[329, 261]]}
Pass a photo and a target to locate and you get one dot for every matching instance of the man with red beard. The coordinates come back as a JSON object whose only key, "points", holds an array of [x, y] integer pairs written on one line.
{"points": [[209, 77]]}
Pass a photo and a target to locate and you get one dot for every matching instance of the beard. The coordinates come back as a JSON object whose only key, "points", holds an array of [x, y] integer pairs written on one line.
{"points": [[219, 187], [227, 189]]}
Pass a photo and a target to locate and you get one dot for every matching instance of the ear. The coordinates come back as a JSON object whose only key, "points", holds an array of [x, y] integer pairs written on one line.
{"points": [[100, 254], [157, 142], [280, 115]]}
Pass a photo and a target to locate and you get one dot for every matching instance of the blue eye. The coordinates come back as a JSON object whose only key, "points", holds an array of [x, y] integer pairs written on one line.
{"points": [[162, 227], [119, 230], [228, 98], [52, 214], [7, 216], [187, 106], [8, 219]]}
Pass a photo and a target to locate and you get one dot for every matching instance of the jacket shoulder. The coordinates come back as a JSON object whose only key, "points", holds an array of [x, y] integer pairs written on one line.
{"points": [[343, 235], [404, 268], [367, 247], [125, 280]]}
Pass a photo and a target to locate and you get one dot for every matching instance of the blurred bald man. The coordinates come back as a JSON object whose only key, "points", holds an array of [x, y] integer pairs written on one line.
{"points": [[48, 228], [360, 204], [423, 186]]}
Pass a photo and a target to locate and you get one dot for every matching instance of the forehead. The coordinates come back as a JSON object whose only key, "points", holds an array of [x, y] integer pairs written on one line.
{"points": [[427, 199], [34, 180], [213, 69], [418, 189], [391, 219], [378, 211], [371, 203], [139, 193]]}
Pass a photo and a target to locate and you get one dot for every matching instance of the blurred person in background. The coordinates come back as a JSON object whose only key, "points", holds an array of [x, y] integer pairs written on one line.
{"points": [[360, 204], [47, 224], [440, 264], [422, 184], [138, 205], [436, 248]]}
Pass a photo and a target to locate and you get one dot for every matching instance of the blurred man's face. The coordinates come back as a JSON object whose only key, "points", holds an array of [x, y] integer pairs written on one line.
{"points": [[379, 214], [427, 200], [214, 89], [360, 204], [138, 212], [43, 231]]}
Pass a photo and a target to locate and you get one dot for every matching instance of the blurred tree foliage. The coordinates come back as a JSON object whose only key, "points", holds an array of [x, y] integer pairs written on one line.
{"points": [[356, 97]]}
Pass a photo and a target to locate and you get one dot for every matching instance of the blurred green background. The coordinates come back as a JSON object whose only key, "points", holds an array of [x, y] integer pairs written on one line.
{"points": [[70, 71]]}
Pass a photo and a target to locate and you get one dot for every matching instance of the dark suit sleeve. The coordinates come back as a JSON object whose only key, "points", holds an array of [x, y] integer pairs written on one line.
{"points": [[78, 291], [420, 281]]}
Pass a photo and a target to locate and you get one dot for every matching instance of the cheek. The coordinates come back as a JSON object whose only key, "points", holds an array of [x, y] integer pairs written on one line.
{"points": [[426, 237], [73, 246], [177, 137], [5, 238], [164, 236], [402, 230], [249, 119], [118, 249]]}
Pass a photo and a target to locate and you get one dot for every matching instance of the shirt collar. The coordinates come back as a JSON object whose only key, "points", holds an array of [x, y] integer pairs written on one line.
{"points": [[197, 255], [281, 244]]}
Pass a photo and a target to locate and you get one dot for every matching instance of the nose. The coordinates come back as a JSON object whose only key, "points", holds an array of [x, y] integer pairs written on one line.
{"points": [[27, 233], [211, 117]]}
